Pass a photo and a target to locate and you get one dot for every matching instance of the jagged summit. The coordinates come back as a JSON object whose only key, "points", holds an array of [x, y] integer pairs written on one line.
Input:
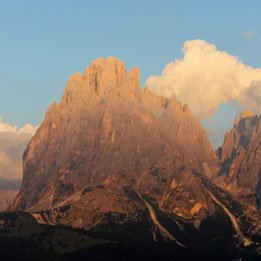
{"points": [[103, 77], [241, 157], [246, 114], [116, 159], [111, 72], [108, 130]]}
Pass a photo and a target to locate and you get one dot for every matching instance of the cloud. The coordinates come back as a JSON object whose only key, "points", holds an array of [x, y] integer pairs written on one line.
{"points": [[13, 141], [12, 146], [27, 128], [250, 34], [252, 96], [6, 127], [205, 78]]}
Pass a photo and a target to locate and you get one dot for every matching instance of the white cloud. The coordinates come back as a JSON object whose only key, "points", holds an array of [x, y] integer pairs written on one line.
{"points": [[12, 146], [250, 34], [252, 95], [13, 141], [27, 128], [6, 127], [206, 78]]}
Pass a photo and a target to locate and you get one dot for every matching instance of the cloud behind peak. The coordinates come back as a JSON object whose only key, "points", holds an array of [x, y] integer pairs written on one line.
{"points": [[13, 141], [27, 128], [205, 78]]}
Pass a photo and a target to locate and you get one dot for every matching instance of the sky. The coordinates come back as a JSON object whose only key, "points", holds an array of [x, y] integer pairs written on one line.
{"points": [[42, 43]]}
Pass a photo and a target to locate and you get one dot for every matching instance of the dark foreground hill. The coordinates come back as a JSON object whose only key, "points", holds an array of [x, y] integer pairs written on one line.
{"points": [[22, 238]]}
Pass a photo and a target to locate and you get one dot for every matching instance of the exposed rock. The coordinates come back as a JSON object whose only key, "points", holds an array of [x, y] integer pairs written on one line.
{"points": [[246, 114], [107, 130], [241, 158], [111, 153]]}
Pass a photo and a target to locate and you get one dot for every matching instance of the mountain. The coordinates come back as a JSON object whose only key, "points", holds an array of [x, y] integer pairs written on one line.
{"points": [[240, 157], [240, 165], [127, 165]]}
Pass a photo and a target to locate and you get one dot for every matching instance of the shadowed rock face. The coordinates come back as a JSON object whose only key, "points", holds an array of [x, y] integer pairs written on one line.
{"points": [[241, 158]]}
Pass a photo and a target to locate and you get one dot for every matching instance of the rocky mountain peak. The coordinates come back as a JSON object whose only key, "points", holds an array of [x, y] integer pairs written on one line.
{"points": [[106, 71], [241, 133], [107, 131], [241, 156], [116, 159], [104, 78], [246, 114]]}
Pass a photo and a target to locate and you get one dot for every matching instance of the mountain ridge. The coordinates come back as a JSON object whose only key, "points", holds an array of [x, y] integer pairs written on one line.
{"points": [[111, 156], [96, 98], [241, 157]]}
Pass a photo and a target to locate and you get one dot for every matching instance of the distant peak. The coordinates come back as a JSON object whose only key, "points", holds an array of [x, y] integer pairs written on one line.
{"points": [[246, 114]]}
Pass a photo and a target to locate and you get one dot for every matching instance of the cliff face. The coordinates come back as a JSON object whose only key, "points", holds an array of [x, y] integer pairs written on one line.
{"points": [[108, 131], [241, 158]]}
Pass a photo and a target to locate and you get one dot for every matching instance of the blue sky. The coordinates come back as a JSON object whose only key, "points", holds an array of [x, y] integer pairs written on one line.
{"points": [[43, 42]]}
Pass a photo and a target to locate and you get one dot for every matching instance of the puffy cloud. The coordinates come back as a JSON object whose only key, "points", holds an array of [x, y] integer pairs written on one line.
{"points": [[12, 146], [27, 128], [6, 127], [13, 141], [206, 78], [251, 96]]}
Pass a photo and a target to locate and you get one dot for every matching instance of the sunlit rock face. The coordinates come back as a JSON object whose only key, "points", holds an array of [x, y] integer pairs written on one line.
{"points": [[108, 131], [241, 158], [125, 164], [114, 154]]}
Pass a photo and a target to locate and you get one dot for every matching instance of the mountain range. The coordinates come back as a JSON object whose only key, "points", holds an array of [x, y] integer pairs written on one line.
{"points": [[128, 166]]}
